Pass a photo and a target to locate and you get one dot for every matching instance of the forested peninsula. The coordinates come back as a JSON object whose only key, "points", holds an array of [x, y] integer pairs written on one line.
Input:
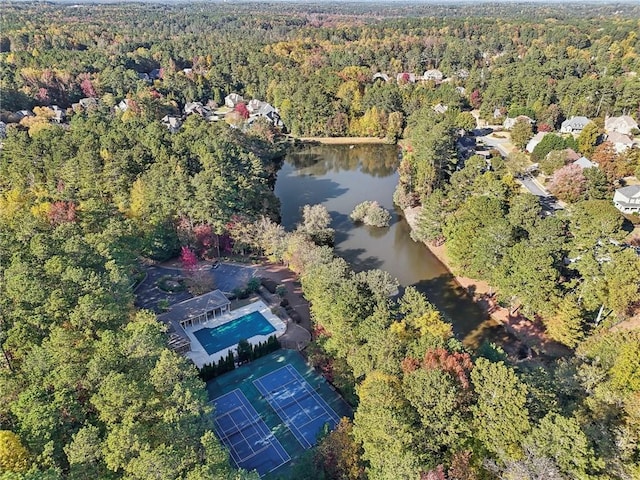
{"points": [[136, 134]]}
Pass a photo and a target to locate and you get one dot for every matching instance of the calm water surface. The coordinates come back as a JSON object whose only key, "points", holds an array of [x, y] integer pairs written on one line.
{"points": [[340, 177]]}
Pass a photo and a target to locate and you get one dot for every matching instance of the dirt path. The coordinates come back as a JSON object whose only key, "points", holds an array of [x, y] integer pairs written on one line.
{"points": [[531, 334], [284, 276]]}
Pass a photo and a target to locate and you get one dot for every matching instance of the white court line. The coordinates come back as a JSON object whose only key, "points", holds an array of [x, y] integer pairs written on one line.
{"points": [[260, 427], [288, 420]]}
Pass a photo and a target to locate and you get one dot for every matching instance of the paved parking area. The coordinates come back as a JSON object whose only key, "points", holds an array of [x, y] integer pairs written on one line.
{"points": [[226, 277]]}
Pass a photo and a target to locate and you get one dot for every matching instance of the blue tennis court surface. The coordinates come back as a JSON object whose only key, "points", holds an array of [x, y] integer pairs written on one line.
{"points": [[250, 442], [229, 334], [297, 404]]}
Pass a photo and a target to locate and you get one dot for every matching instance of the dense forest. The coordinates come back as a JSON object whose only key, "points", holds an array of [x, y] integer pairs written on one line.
{"points": [[89, 389]]}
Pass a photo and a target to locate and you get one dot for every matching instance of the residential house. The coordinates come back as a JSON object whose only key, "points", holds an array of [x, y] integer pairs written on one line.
{"points": [[406, 77], [623, 124], [3, 130], [435, 75], [380, 76], [232, 100], [462, 74], [254, 105], [465, 146], [172, 123], [510, 122], [270, 113], [627, 199], [20, 114], [89, 102], [440, 108], [574, 125], [196, 107], [537, 138], [584, 162], [123, 105], [619, 141], [59, 115], [461, 90]]}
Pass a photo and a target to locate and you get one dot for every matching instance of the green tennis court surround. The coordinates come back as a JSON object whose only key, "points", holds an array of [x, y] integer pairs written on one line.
{"points": [[242, 380]]}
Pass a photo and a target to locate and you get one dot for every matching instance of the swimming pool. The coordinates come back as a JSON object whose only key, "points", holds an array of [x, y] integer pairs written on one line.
{"points": [[229, 334]]}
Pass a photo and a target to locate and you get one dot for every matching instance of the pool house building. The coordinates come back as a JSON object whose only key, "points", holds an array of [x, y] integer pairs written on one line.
{"points": [[192, 312], [197, 310]]}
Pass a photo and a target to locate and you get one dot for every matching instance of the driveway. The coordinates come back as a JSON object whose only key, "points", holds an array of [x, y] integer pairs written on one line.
{"points": [[503, 145], [549, 203], [534, 187]]}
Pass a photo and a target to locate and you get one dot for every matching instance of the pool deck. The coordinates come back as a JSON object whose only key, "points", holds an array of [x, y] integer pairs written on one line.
{"points": [[199, 355]]}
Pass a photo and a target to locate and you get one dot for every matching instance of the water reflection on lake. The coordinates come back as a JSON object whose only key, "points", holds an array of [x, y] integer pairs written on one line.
{"points": [[340, 177]]}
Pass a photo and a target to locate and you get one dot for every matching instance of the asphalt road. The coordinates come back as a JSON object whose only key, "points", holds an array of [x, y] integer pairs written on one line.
{"points": [[534, 187]]}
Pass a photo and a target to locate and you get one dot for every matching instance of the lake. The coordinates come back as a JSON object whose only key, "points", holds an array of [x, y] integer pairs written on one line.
{"points": [[341, 176]]}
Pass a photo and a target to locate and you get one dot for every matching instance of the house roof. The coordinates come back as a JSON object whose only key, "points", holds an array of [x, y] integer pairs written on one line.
{"points": [[575, 122], [382, 76], [584, 162], [623, 122], [631, 191], [440, 108], [433, 74], [194, 307], [572, 155], [616, 137]]}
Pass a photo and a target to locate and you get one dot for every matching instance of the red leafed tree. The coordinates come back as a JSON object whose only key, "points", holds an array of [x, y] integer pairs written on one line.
{"points": [[475, 99], [62, 212], [435, 474], [189, 260], [410, 365], [242, 109], [456, 364], [43, 95], [204, 238], [86, 85], [544, 127], [568, 183]]}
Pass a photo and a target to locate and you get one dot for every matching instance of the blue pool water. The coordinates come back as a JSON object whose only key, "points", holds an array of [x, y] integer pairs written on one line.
{"points": [[229, 334]]}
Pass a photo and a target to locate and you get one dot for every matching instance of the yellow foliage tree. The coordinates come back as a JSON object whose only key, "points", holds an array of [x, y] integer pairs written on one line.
{"points": [[14, 457]]}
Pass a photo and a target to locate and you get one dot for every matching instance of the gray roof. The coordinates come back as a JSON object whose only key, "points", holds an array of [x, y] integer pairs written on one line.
{"points": [[195, 306], [631, 191], [575, 122], [584, 162]]}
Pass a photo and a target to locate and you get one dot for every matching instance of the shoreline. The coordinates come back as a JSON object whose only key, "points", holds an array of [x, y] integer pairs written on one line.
{"points": [[525, 331], [344, 140]]}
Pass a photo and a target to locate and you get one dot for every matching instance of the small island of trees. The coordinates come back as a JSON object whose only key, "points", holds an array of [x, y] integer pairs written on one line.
{"points": [[371, 213]]}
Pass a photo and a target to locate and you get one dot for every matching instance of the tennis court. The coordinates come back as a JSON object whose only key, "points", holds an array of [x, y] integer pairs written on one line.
{"points": [[251, 443], [297, 404]]}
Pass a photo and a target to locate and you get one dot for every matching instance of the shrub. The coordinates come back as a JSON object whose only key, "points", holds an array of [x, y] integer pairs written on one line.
{"points": [[253, 285], [295, 316], [269, 284]]}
